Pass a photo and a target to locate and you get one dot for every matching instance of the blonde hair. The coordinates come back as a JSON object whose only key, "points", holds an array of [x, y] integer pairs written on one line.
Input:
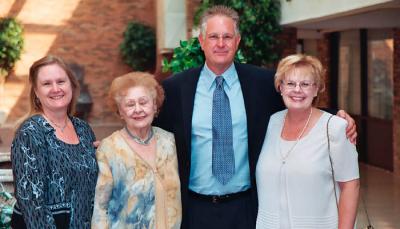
{"points": [[121, 84], [218, 10], [311, 65]]}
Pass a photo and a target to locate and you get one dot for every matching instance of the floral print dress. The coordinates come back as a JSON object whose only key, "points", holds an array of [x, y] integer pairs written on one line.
{"points": [[132, 194]]}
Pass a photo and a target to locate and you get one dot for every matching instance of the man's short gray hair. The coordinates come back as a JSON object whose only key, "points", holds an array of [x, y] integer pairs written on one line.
{"points": [[218, 10]]}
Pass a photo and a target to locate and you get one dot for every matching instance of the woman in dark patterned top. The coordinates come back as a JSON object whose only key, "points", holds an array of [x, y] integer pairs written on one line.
{"points": [[53, 158]]}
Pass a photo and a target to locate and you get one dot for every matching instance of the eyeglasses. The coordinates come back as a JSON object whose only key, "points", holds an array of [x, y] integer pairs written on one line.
{"points": [[226, 37], [304, 85]]}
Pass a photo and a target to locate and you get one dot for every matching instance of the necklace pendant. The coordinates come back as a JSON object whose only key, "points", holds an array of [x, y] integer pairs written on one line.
{"points": [[60, 127], [283, 162]]}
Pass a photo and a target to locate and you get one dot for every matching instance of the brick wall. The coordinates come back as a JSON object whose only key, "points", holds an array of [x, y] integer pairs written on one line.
{"points": [[396, 100], [84, 31], [324, 57], [288, 43]]}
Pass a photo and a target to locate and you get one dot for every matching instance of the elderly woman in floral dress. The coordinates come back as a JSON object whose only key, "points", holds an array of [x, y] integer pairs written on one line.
{"points": [[138, 184]]}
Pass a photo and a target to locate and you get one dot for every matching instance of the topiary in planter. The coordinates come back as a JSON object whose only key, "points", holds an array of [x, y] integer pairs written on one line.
{"points": [[138, 48], [11, 45]]}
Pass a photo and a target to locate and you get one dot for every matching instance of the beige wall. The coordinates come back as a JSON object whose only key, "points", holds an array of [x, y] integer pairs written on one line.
{"points": [[171, 23], [304, 10]]}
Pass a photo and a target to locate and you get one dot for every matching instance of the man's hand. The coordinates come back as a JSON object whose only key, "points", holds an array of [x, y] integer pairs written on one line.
{"points": [[351, 130]]}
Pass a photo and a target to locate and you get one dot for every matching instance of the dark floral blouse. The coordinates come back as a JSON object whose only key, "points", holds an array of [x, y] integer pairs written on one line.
{"points": [[54, 181]]}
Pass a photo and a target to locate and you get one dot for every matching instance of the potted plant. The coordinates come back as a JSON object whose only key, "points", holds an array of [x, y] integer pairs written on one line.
{"points": [[138, 48], [6, 208], [11, 45]]}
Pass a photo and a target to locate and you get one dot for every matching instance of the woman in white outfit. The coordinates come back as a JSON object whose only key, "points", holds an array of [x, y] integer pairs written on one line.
{"points": [[294, 174]]}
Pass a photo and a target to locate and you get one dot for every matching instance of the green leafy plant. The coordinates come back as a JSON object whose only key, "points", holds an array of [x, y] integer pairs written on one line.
{"points": [[189, 55], [6, 208], [138, 48], [259, 26], [11, 45]]}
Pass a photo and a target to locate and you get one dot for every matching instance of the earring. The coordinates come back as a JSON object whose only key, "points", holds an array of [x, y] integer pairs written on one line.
{"points": [[37, 101]]}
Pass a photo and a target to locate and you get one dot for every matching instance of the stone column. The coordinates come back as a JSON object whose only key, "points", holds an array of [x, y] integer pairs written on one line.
{"points": [[171, 28]]}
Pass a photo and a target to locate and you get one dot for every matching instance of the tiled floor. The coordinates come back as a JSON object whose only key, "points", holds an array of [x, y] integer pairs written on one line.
{"points": [[381, 194]]}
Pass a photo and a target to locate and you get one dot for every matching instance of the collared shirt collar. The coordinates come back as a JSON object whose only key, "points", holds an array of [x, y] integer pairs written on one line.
{"points": [[230, 76]]}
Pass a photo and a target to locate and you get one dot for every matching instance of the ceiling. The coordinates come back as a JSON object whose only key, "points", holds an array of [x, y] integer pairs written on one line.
{"points": [[383, 16]]}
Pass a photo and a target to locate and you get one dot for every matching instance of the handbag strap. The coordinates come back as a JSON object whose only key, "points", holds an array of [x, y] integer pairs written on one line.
{"points": [[330, 162], [369, 226]]}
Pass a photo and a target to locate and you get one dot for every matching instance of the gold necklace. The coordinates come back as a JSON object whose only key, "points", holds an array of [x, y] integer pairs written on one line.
{"points": [[62, 128], [284, 157]]}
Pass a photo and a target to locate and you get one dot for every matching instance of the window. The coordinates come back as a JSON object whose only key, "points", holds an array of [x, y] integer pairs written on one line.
{"points": [[349, 90], [380, 74]]}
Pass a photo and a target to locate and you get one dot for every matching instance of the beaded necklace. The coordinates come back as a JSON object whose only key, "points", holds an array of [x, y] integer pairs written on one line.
{"points": [[139, 140]]}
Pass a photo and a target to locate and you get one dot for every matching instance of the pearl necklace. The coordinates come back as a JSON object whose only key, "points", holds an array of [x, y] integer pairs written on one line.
{"points": [[139, 140], [62, 128], [284, 157]]}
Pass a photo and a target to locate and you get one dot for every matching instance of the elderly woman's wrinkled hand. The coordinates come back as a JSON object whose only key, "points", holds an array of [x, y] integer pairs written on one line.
{"points": [[96, 144]]}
